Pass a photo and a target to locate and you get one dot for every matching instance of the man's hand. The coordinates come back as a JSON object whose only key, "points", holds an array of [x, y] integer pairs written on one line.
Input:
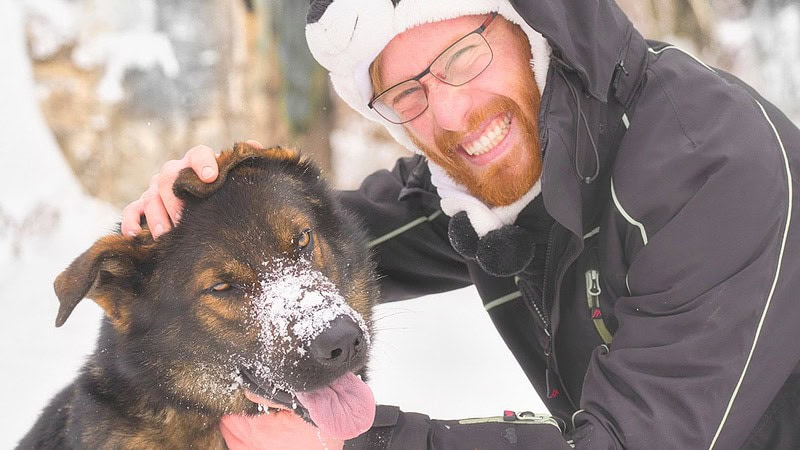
{"points": [[158, 204], [282, 430]]}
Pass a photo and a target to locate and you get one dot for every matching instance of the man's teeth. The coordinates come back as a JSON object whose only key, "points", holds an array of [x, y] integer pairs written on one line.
{"points": [[490, 138]]}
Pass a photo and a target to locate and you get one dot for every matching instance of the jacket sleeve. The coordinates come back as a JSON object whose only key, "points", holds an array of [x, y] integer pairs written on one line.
{"points": [[408, 232], [397, 430], [703, 215]]}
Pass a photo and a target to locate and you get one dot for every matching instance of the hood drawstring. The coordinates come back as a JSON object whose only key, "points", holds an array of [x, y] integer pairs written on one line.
{"points": [[579, 119]]}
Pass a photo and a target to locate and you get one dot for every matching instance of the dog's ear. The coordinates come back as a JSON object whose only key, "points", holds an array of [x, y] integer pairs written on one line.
{"points": [[188, 185], [110, 273]]}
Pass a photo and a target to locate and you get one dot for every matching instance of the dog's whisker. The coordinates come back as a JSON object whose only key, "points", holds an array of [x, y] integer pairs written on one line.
{"points": [[386, 329], [389, 316], [392, 308]]}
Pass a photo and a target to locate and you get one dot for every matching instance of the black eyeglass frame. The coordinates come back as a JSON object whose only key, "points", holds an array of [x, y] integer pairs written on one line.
{"points": [[479, 31]]}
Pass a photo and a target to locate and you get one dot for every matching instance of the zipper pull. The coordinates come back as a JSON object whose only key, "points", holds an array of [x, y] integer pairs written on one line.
{"points": [[593, 288], [551, 383], [593, 292]]}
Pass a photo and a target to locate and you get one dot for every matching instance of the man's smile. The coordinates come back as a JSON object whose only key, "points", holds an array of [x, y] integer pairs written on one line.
{"points": [[490, 142], [492, 135]]}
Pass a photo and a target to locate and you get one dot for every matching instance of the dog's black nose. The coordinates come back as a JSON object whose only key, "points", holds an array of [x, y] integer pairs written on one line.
{"points": [[339, 343]]}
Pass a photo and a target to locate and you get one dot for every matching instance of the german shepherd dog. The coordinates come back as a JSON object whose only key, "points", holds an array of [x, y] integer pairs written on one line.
{"points": [[265, 286]]}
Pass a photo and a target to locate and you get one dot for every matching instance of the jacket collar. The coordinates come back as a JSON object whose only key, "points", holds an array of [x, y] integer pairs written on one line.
{"points": [[578, 156], [591, 37]]}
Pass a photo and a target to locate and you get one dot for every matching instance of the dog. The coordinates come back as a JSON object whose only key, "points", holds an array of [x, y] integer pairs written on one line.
{"points": [[264, 287]]}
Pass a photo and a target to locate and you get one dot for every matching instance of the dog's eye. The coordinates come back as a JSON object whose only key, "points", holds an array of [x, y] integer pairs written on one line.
{"points": [[221, 287], [304, 240]]}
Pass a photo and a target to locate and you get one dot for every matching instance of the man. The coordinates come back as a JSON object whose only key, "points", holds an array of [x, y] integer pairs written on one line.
{"points": [[625, 212]]}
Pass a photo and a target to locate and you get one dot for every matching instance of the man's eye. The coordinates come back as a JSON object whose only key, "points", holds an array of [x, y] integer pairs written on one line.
{"points": [[461, 60], [406, 96]]}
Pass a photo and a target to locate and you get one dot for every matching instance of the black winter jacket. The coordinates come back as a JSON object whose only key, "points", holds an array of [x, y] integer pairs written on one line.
{"points": [[677, 231]]}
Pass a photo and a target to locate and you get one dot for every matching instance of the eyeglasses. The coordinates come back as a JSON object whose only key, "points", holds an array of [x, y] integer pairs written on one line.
{"points": [[457, 65]]}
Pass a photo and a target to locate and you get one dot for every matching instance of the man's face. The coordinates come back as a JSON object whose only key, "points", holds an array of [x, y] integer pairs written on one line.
{"points": [[483, 133]]}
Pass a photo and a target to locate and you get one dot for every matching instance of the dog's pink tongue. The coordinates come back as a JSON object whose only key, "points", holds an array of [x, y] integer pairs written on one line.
{"points": [[342, 410]]}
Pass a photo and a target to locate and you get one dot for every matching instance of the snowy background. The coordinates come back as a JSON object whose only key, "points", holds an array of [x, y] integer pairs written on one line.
{"points": [[438, 355]]}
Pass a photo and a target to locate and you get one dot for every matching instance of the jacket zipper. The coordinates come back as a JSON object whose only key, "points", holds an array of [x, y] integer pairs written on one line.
{"points": [[547, 262], [541, 313], [550, 376], [593, 292]]}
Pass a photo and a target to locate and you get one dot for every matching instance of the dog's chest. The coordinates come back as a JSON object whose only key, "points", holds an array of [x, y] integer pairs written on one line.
{"points": [[176, 430]]}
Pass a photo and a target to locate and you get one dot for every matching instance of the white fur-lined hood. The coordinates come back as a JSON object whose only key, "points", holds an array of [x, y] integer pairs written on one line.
{"points": [[345, 36]]}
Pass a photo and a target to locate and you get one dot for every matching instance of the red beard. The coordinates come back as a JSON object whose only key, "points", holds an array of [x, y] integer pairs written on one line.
{"points": [[504, 181]]}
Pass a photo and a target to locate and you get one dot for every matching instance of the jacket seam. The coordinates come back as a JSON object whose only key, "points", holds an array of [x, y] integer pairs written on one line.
{"points": [[672, 47], [629, 218], [672, 105], [625, 215]]}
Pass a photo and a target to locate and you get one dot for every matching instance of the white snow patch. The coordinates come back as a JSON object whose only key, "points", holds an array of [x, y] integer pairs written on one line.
{"points": [[121, 52], [298, 303], [53, 24], [118, 37]]}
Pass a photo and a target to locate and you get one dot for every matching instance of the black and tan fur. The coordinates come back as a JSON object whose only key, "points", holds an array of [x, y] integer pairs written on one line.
{"points": [[178, 307]]}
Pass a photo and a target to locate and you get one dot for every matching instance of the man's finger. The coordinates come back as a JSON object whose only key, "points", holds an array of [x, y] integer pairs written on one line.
{"points": [[131, 215], [165, 180], [254, 143], [203, 161], [157, 218]]}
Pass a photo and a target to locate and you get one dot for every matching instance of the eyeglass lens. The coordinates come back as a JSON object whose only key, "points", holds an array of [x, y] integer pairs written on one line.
{"points": [[459, 64]]}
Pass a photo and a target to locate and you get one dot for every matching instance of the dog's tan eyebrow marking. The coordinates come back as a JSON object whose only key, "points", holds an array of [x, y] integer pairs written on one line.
{"points": [[230, 271], [216, 313], [208, 277], [292, 221]]}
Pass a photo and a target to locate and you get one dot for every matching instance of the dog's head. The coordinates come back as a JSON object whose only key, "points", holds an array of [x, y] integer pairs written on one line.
{"points": [[265, 285]]}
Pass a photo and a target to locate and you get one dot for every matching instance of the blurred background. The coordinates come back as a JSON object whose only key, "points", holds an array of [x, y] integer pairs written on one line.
{"points": [[97, 94], [125, 85]]}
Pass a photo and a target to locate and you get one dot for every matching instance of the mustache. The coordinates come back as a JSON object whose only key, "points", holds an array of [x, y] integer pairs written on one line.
{"points": [[447, 141]]}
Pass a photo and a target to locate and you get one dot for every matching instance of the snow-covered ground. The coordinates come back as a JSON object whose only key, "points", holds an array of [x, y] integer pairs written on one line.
{"points": [[438, 355]]}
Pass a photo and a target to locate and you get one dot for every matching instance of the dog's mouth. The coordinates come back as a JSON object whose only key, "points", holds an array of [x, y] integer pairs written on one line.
{"points": [[269, 391], [342, 409]]}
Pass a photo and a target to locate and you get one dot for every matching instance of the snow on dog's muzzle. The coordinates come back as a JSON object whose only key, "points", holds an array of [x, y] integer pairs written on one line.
{"points": [[313, 342]]}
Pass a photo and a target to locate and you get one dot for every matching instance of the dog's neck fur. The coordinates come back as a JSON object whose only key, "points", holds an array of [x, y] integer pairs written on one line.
{"points": [[160, 421]]}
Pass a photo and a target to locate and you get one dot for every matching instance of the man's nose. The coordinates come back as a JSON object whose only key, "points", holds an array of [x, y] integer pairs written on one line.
{"points": [[450, 105]]}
